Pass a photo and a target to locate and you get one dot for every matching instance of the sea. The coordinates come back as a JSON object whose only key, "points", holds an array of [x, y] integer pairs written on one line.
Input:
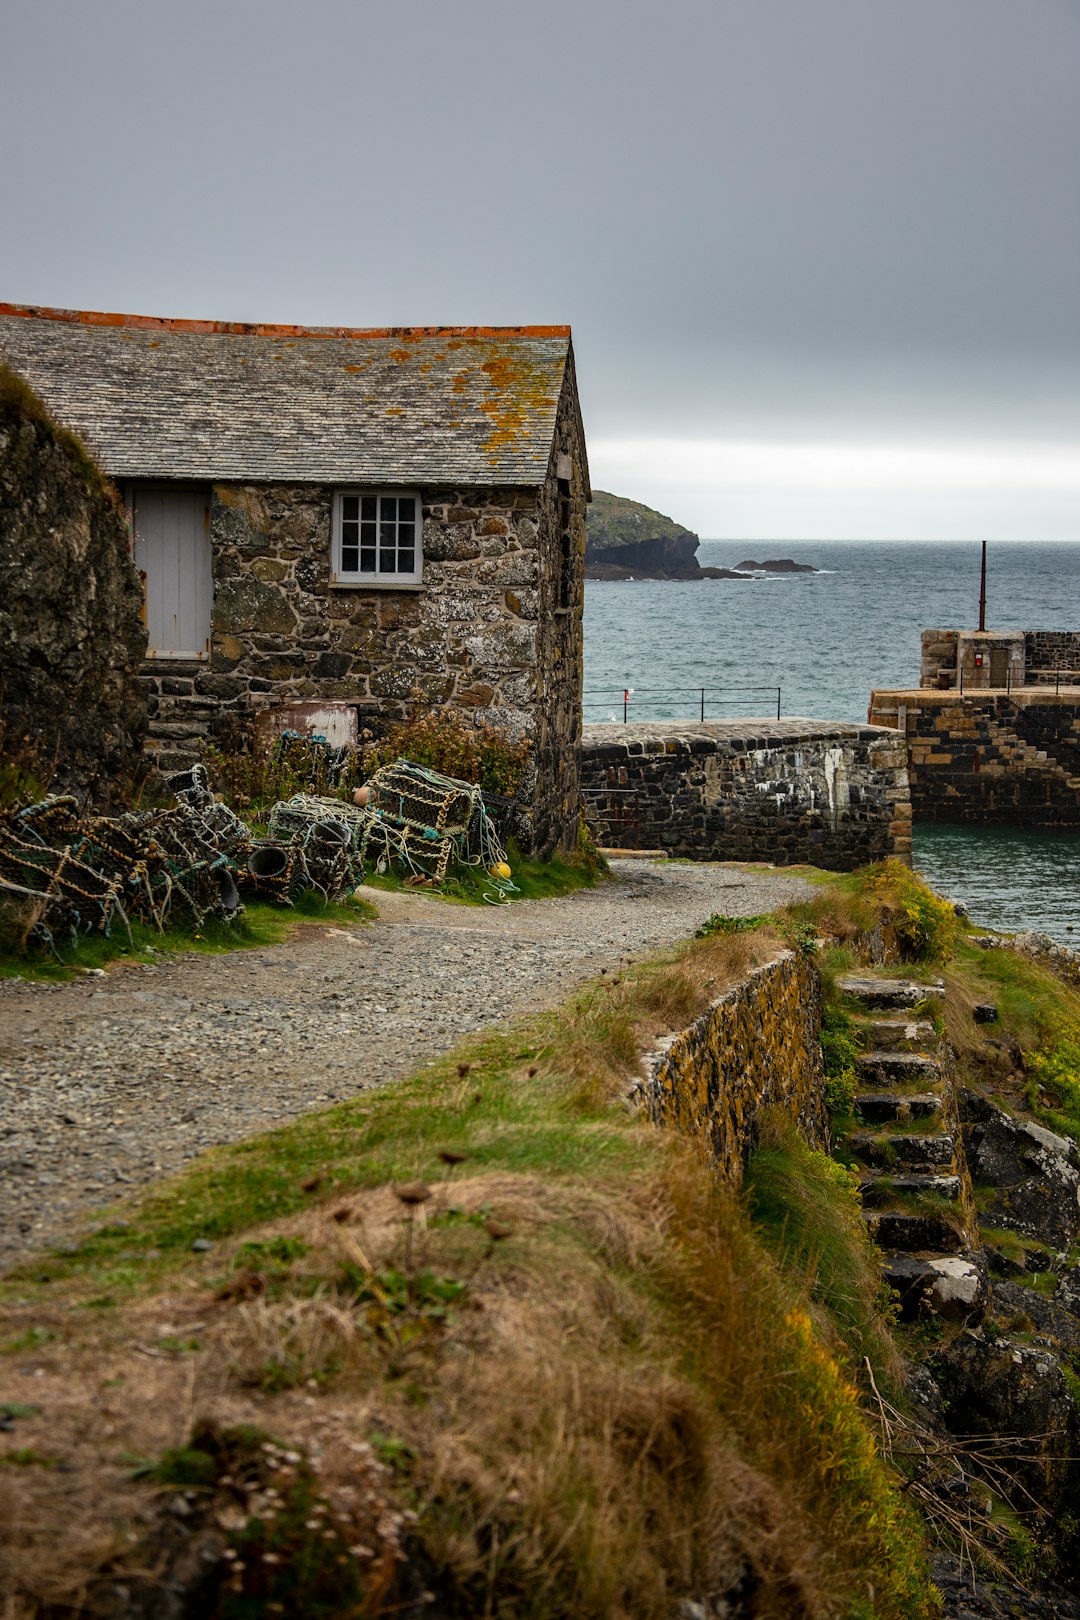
{"points": [[815, 645]]}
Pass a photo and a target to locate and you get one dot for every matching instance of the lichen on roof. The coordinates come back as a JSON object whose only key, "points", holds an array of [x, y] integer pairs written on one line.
{"points": [[231, 401]]}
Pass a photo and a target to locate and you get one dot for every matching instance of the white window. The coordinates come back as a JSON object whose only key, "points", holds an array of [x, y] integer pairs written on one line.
{"points": [[377, 538]]}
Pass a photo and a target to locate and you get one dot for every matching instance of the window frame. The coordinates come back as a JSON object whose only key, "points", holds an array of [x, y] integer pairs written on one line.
{"points": [[376, 579]]}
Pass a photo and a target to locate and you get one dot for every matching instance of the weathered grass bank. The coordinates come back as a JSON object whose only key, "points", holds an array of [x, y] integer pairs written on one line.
{"points": [[485, 1342]]}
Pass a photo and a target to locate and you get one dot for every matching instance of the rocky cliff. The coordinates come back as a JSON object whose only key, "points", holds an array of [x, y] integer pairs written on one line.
{"points": [[71, 631], [626, 540]]}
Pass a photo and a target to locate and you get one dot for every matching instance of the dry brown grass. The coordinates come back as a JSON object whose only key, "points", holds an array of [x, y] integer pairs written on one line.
{"points": [[562, 1449], [625, 1405], [629, 1010]]}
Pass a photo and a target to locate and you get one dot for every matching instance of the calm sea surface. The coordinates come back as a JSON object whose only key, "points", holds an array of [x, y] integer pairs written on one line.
{"points": [[827, 640]]}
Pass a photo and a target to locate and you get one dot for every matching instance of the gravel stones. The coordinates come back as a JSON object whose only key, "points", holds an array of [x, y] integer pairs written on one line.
{"points": [[110, 1083]]}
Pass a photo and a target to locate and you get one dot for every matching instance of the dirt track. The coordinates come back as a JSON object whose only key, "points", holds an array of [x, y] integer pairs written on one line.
{"points": [[108, 1082]]}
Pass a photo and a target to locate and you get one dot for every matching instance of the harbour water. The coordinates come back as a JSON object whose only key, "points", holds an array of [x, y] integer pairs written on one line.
{"points": [[826, 640]]}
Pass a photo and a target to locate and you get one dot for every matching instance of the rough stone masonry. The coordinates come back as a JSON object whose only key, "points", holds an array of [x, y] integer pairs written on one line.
{"points": [[786, 791]]}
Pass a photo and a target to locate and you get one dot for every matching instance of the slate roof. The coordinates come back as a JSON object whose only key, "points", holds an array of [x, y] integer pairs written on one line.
{"points": [[208, 399]]}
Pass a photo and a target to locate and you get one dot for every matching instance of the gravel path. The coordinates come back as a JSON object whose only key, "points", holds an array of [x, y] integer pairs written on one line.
{"points": [[114, 1080]]}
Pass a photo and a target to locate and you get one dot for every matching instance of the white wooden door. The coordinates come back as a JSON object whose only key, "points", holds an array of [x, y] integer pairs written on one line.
{"points": [[172, 553]]}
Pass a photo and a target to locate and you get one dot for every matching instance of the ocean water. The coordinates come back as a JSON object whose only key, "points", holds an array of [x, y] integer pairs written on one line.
{"points": [[826, 640]]}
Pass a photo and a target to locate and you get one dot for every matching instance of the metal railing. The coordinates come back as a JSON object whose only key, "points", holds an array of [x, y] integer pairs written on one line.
{"points": [[714, 699], [1032, 677], [1037, 677]]}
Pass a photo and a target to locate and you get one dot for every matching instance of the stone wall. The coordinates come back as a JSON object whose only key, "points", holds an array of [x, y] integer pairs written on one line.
{"points": [[971, 659], [494, 630], [757, 1047], [989, 756], [1046, 650], [1034, 654], [782, 791], [71, 631]]}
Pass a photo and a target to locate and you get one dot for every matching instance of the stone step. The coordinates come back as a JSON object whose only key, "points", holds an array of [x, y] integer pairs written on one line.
{"points": [[907, 1149], [914, 1232], [900, 1034], [899, 1069], [953, 1286], [889, 992], [878, 1187], [897, 1107]]}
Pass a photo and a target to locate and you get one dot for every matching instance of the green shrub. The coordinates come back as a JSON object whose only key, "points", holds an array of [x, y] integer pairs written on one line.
{"points": [[927, 928], [445, 740], [718, 923], [252, 782]]}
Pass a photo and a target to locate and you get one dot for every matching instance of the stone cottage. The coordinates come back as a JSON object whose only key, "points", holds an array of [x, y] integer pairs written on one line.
{"points": [[393, 518]]}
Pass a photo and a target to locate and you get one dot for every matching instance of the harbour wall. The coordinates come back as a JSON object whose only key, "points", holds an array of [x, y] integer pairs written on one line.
{"points": [[787, 791], [990, 755]]}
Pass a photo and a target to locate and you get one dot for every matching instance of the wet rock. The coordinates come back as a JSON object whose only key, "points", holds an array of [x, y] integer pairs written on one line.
{"points": [[968, 1598], [952, 1286]]}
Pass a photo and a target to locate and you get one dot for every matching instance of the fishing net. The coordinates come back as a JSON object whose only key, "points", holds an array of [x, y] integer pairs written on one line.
{"points": [[76, 873]]}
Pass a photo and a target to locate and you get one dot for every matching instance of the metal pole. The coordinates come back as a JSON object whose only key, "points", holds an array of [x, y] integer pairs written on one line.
{"points": [[778, 703], [625, 706], [982, 590], [703, 705]]}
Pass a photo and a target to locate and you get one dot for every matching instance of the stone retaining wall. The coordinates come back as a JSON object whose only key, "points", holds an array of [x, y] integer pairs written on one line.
{"points": [[989, 756], [757, 1047], [782, 791]]}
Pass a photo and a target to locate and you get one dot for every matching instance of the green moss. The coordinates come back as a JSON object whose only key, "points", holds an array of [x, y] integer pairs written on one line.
{"points": [[19, 403]]}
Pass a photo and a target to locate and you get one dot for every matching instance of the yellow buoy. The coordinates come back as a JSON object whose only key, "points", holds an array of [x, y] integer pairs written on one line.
{"points": [[500, 870]]}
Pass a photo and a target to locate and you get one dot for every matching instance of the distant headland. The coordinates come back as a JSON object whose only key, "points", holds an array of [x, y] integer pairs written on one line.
{"points": [[627, 540]]}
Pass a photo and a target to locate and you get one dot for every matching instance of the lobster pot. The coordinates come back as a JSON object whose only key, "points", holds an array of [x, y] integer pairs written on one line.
{"points": [[295, 817], [328, 857], [269, 870], [420, 799]]}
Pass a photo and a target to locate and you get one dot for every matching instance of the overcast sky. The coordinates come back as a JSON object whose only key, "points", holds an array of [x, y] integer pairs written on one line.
{"points": [[821, 257]]}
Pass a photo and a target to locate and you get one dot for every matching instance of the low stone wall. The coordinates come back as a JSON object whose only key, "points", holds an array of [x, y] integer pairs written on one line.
{"points": [[989, 756], [783, 791], [757, 1047]]}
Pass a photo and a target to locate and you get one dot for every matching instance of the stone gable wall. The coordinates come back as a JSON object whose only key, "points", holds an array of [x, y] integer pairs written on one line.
{"points": [[781, 791], [481, 633], [757, 1047]]}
